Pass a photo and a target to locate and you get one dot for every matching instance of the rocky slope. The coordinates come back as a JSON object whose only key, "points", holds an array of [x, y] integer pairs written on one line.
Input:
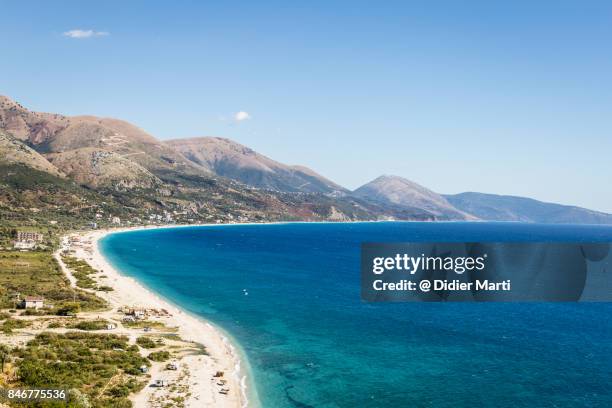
{"points": [[227, 158], [95, 168], [13, 151]]}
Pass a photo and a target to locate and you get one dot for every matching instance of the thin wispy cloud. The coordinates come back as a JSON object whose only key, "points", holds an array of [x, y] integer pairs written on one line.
{"points": [[82, 34]]}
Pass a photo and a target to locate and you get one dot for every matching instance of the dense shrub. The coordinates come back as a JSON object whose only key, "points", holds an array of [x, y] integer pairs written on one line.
{"points": [[90, 325], [11, 324], [146, 342], [159, 356]]}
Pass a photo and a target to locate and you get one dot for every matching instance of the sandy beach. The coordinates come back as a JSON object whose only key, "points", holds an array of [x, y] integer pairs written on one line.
{"points": [[197, 372]]}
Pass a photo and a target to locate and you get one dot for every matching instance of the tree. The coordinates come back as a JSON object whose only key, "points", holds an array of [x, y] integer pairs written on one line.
{"points": [[5, 353]]}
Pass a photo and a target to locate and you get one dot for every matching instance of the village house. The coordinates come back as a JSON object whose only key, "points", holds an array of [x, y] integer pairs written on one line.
{"points": [[33, 302], [116, 220]]}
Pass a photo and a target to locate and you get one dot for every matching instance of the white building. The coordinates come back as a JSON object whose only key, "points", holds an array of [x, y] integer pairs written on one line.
{"points": [[116, 220], [33, 302], [25, 245]]}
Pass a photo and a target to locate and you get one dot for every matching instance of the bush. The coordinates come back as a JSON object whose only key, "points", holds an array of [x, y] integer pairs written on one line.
{"points": [[90, 325], [35, 312], [10, 324], [68, 309], [119, 391], [159, 356], [146, 342]]}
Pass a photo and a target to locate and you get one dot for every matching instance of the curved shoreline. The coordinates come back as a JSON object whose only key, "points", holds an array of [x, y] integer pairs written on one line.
{"points": [[223, 354]]}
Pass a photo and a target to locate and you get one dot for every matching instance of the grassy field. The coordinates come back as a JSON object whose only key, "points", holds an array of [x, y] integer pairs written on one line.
{"points": [[38, 274]]}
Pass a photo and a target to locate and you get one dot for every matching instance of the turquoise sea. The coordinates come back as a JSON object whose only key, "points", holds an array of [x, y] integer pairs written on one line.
{"points": [[289, 294]]}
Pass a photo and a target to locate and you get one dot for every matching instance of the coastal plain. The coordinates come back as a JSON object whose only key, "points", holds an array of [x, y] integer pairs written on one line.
{"points": [[203, 389]]}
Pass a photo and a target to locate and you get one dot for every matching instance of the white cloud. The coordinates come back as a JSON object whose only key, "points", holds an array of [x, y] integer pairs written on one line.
{"points": [[80, 34], [242, 115]]}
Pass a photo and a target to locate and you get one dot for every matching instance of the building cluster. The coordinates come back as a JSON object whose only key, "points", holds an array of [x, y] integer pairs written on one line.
{"points": [[165, 217], [132, 314], [28, 240]]}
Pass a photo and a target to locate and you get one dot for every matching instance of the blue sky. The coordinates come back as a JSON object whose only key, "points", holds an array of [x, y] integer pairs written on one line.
{"points": [[500, 97]]}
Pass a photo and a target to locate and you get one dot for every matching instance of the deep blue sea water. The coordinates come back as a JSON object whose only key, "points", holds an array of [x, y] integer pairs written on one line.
{"points": [[311, 342]]}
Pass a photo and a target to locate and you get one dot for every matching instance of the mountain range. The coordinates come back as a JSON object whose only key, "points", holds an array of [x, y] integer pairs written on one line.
{"points": [[103, 165]]}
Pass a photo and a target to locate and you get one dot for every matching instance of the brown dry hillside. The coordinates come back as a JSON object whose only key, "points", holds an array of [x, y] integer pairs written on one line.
{"points": [[229, 159], [53, 133]]}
